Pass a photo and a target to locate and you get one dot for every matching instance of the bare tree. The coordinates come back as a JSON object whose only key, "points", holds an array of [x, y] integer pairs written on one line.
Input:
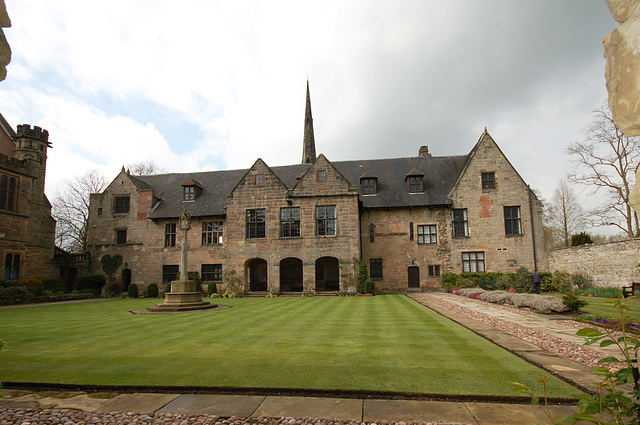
{"points": [[606, 161], [565, 216], [145, 168], [70, 209]]}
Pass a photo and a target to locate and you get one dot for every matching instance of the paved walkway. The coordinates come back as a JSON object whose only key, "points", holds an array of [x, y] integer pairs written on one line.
{"points": [[475, 413]]}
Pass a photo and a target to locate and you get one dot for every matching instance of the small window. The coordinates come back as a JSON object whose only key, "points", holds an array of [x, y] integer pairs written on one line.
{"points": [[256, 219], [411, 231], [459, 223], [326, 220], [321, 176], [8, 193], [259, 179], [212, 232], [473, 262], [290, 222], [488, 180], [189, 193], [415, 184], [375, 268], [170, 234], [512, 225], [434, 271], [427, 234], [121, 205], [12, 267], [369, 186], [99, 211], [170, 273], [372, 232], [121, 237], [211, 273]]}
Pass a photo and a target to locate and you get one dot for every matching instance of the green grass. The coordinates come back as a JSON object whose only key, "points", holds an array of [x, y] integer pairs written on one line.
{"points": [[600, 308], [382, 343]]}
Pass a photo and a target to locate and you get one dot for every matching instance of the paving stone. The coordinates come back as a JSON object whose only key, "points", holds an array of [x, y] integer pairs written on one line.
{"points": [[416, 410], [220, 405], [138, 403], [338, 408]]}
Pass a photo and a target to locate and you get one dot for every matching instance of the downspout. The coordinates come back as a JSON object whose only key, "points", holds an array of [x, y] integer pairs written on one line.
{"points": [[533, 233]]}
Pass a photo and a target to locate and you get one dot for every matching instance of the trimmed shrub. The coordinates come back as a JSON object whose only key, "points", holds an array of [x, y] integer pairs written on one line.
{"points": [[54, 285], [483, 281], [503, 282], [133, 291], [15, 293], [152, 290], [212, 288], [363, 275], [92, 283], [572, 301], [522, 282], [114, 289], [47, 293], [369, 286], [496, 297], [548, 304]]}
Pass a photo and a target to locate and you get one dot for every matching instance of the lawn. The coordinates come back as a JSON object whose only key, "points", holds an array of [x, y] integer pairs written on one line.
{"points": [[600, 308], [382, 343]]}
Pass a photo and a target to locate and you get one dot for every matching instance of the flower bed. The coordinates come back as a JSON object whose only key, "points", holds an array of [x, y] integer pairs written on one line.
{"points": [[542, 303], [45, 299]]}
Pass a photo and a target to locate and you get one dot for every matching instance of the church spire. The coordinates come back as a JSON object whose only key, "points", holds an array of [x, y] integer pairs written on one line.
{"points": [[309, 143]]}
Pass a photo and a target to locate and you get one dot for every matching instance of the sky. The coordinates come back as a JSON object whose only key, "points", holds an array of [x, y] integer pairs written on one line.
{"points": [[202, 85]]}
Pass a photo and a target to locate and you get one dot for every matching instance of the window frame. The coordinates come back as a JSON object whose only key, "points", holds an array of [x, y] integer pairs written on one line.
{"points": [[369, 186], [412, 184], [376, 269], [212, 233], [256, 227], [9, 193], [434, 270], [12, 266], [488, 180], [121, 207], [432, 234], [170, 272], [120, 239], [259, 179], [321, 176], [326, 224], [510, 221], [289, 222], [215, 273], [170, 234], [189, 193], [459, 224], [474, 263]]}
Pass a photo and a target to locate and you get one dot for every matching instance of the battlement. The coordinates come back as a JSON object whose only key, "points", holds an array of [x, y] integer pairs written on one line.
{"points": [[25, 130]]}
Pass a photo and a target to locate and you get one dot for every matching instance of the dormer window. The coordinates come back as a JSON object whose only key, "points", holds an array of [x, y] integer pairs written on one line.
{"points": [[415, 181], [321, 176], [415, 184], [189, 193], [259, 179], [369, 186], [191, 190]]}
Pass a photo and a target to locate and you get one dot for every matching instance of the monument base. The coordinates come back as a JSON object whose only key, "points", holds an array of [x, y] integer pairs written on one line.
{"points": [[183, 297]]}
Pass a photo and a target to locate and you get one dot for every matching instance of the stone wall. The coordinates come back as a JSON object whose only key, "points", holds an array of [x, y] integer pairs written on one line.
{"points": [[609, 264]]}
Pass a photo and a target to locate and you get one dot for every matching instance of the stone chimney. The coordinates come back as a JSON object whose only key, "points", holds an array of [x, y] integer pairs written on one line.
{"points": [[424, 151]]}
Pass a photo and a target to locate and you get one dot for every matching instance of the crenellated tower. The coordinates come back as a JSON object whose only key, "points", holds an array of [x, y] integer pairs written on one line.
{"points": [[31, 147], [309, 143]]}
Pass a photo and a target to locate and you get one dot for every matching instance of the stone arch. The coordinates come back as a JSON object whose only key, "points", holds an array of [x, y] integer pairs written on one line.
{"points": [[327, 274], [256, 274], [291, 275]]}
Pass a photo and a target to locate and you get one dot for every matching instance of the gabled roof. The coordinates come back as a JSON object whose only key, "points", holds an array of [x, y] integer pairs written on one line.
{"points": [[439, 178], [4, 125]]}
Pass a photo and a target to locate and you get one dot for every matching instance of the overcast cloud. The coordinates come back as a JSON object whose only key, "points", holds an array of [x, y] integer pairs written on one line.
{"points": [[206, 85]]}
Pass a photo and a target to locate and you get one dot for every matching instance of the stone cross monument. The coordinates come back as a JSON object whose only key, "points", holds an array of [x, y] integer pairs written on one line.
{"points": [[184, 295]]}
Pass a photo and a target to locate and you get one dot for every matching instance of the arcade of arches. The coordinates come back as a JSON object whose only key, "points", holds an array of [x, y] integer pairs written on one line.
{"points": [[327, 275]]}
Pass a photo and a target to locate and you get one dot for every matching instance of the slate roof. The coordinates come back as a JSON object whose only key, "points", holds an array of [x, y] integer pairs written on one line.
{"points": [[440, 174]]}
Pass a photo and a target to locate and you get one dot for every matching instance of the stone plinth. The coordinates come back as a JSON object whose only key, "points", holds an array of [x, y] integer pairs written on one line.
{"points": [[183, 297]]}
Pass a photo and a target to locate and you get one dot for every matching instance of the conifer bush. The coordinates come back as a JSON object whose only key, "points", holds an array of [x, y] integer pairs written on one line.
{"points": [[152, 290], [212, 288], [133, 291], [369, 287]]}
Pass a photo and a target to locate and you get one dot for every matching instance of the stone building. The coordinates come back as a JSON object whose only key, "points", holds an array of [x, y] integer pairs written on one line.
{"points": [[304, 227], [27, 230]]}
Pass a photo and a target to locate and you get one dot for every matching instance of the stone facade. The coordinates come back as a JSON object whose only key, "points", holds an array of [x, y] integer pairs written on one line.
{"points": [[27, 230], [303, 228], [610, 264]]}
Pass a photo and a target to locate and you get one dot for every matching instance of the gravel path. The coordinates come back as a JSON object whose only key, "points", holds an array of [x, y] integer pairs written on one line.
{"points": [[576, 352], [71, 417]]}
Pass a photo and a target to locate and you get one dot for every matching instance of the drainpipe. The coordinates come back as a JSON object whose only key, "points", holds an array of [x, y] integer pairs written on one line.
{"points": [[533, 233]]}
